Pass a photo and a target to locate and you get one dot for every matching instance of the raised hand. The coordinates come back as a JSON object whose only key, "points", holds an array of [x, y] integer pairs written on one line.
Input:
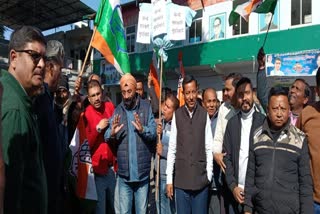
{"points": [[116, 126], [150, 83], [261, 58], [137, 124], [77, 85]]}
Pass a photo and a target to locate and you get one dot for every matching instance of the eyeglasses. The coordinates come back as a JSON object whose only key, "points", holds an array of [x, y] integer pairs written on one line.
{"points": [[36, 57]]}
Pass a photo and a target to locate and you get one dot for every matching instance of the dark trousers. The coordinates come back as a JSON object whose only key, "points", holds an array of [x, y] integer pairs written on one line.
{"points": [[231, 205], [215, 200], [192, 202]]}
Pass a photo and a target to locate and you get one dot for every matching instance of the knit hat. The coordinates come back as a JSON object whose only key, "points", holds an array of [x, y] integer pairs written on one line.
{"points": [[63, 82], [55, 51]]}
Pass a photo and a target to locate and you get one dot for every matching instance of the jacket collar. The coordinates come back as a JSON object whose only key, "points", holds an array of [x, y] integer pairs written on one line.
{"points": [[17, 87], [266, 128]]}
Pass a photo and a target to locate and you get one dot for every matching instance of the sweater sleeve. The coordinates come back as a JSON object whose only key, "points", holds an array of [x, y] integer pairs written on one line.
{"points": [[262, 88], [305, 181], [172, 151], [208, 146], [227, 146], [218, 135]]}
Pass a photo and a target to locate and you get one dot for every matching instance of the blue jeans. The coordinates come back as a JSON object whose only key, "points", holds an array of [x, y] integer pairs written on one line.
{"points": [[316, 207], [164, 205], [189, 201], [116, 197], [137, 189], [105, 185]]}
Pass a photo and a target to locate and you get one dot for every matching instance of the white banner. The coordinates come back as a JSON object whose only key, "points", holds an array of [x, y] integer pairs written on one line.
{"points": [[177, 27], [144, 27], [159, 17]]}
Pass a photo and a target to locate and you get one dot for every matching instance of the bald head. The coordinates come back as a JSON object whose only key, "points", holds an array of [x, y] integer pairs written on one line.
{"points": [[210, 101]]}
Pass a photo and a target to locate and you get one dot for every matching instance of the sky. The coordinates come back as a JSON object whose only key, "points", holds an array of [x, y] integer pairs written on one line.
{"points": [[94, 4]]}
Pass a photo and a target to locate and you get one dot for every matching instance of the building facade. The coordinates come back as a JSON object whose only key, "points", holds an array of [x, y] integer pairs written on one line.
{"points": [[213, 49]]}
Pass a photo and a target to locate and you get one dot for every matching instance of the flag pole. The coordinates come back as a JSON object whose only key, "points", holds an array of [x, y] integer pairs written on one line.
{"points": [[159, 135], [88, 51], [265, 38]]}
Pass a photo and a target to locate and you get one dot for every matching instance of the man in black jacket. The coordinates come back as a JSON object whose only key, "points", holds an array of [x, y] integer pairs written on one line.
{"points": [[237, 139], [52, 143], [278, 175]]}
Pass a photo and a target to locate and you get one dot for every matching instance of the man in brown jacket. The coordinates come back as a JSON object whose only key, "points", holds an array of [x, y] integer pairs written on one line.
{"points": [[309, 122]]}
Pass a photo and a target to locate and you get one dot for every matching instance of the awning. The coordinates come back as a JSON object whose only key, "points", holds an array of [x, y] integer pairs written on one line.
{"points": [[44, 14]]}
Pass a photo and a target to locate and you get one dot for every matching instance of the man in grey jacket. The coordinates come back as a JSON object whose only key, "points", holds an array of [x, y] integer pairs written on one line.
{"points": [[171, 103]]}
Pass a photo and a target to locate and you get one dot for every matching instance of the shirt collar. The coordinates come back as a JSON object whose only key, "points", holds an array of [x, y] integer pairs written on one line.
{"points": [[189, 112]]}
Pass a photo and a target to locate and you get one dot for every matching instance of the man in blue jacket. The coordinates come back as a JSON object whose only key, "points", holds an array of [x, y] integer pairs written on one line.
{"points": [[133, 130]]}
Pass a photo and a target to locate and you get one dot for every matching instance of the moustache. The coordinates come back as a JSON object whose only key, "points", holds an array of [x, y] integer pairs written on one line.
{"points": [[129, 101], [245, 102], [291, 96]]}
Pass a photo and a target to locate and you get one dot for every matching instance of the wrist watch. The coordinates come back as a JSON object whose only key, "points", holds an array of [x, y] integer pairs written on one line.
{"points": [[98, 129]]}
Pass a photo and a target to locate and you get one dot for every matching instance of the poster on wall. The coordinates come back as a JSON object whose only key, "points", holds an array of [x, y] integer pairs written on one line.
{"points": [[217, 26], [109, 74], [286, 67], [265, 19]]}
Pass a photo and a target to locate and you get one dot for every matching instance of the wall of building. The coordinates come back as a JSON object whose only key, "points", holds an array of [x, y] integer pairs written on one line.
{"points": [[239, 49]]}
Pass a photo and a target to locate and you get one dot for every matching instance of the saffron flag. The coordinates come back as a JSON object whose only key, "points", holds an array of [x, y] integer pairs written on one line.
{"points": [[181, 76], [109, 37], [257, 6], [154, 75], [243, 10], [81, 164]]}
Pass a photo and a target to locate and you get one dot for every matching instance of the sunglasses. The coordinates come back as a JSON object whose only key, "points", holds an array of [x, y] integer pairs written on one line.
{"points": [[36, 57]]}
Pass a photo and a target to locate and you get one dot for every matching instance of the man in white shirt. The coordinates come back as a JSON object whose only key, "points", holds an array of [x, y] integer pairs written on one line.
{"points": [[237, 140], [189, 154], [226, 111]]}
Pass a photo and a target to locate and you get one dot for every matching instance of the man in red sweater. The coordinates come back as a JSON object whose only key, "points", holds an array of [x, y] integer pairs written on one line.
{"points": [[97, 116]]}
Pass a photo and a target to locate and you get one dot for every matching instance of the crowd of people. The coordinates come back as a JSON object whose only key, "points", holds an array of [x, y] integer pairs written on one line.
{"points": [[246, 154]]}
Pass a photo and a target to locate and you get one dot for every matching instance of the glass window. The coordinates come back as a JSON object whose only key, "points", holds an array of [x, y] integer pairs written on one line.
{"points": [[301, 12], [131, 38], [241, 26], [195, 31], [143, 47]]}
